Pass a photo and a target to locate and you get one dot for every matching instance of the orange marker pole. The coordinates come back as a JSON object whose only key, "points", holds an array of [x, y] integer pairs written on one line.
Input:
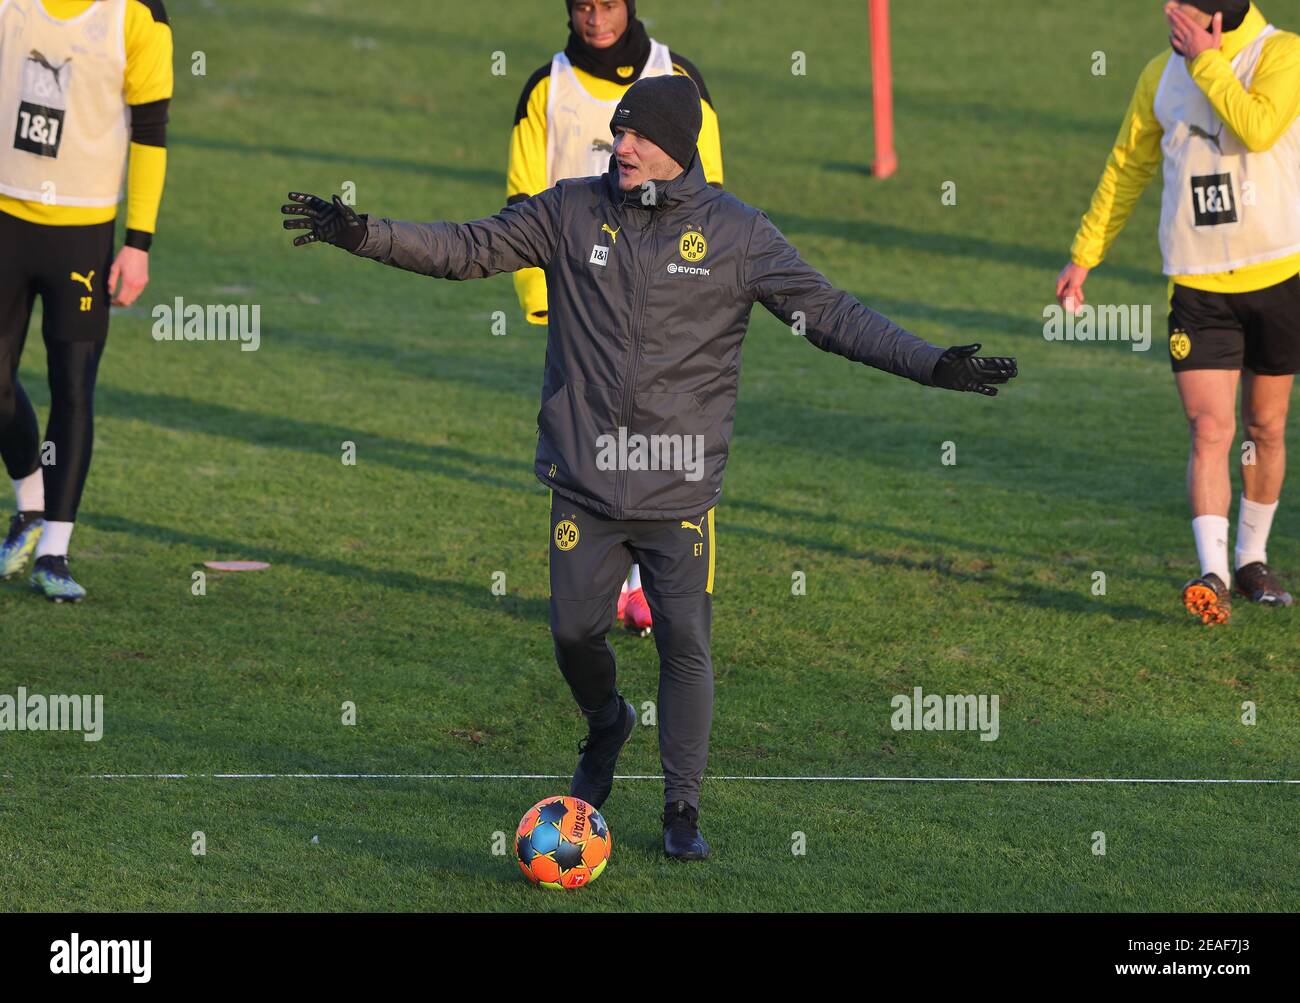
{"points": [[882, 91]]}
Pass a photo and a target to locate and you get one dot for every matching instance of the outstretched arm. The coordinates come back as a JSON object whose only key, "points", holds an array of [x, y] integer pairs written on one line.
{"points": [[522, 235], [834, 321]]}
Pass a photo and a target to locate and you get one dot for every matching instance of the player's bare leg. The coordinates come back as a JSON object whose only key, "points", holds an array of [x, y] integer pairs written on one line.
{"points": [[1209, 400], [1265, 401]]}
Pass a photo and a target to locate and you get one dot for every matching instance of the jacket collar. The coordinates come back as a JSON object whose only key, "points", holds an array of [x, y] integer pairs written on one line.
{"points": [[1247, 32], [683, 188]]}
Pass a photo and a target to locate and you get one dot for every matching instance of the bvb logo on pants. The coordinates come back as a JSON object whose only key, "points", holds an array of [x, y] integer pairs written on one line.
{"points": [[566, 535], [1180, 345]]}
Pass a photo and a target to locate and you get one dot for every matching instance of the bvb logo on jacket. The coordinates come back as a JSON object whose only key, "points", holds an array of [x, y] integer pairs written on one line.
{"points": [[693, 246]]}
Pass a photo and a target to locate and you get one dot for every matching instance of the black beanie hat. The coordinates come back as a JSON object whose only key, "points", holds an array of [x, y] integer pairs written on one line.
{"points": [[1234, 11], [666, 110], [631, 10]]}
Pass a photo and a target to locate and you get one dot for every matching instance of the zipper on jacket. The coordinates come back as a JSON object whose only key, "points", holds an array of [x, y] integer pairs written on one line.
{"points": [[629, 387]]}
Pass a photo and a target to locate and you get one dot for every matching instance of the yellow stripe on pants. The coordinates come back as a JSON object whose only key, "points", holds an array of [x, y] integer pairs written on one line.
{"points": [[708, 587]]}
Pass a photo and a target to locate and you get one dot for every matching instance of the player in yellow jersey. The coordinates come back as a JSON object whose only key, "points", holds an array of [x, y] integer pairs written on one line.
{"points": [[84, 92], [562, 131], [1221, 114]]}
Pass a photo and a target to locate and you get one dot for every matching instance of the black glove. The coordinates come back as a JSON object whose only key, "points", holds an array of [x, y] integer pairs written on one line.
{"points": [[333, 223], [959, 369]]}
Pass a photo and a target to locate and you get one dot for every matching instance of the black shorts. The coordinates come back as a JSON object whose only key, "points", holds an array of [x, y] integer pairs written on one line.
{"points": [[1259, 331], [67, 266]]}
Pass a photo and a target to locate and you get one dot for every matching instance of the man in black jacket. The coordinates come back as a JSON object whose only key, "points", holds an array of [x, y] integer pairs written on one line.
{"points": [[651, 276]]}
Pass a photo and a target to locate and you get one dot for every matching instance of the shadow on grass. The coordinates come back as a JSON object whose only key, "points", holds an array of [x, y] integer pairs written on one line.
{"points": [[1028, 325], [803, 517], [316, 438], [341, 33], [376, 844], [956, 245], [308, 437], [424, 168], [516, 374], [472, 595], [1028, 593], [1073, 474], [945, 114]]}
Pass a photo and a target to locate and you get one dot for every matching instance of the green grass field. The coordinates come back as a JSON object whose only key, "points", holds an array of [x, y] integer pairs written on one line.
{"points": [[973, 578]]}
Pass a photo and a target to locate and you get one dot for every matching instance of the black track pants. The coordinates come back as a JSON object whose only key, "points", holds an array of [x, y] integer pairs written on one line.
{"points": [[590, 558]]}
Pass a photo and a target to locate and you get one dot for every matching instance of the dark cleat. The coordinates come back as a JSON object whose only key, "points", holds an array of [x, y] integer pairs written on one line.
{"points": [[1208, 598], [20, 543], [682, 839], [52, 579], [598, 754], [1258, 584]]}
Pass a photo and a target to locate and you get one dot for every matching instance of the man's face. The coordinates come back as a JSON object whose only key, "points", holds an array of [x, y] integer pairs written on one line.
{"points": [[639, 160], [599, 23], [1195, 13]]}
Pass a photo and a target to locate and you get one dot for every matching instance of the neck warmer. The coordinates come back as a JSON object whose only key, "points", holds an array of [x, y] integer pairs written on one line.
{"points": [[622, 62]]}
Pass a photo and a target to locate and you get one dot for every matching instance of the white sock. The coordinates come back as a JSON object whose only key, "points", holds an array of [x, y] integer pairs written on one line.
{"points": [[55, 539], [30, 492], [1253, 523], [634, 579], [1211, 532]]}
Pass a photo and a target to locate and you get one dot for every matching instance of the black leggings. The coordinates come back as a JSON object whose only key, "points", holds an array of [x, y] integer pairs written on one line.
{"points": [[67, 266], [73, 366]]}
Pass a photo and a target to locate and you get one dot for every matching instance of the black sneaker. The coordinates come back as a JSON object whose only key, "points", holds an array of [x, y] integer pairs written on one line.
{"points": [[597, 756], [1208, 598], [1258, 584], [682, 839]]}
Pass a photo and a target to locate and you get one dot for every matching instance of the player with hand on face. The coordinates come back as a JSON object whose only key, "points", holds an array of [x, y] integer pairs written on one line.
{"points": [[1220, 113], [644, 342]]}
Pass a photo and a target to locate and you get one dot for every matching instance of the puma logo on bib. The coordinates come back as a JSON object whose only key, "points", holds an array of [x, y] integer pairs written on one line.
{"points": [[43, 105]]}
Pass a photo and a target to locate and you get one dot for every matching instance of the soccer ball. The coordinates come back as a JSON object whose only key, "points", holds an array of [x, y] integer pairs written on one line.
{"points": [[562, 842]]}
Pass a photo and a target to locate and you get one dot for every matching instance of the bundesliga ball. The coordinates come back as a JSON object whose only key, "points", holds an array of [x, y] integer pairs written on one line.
{"points": [[562, 842]]}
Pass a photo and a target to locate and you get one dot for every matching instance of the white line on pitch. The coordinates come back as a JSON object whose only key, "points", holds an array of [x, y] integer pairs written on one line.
{"points": [[770, 779]]}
